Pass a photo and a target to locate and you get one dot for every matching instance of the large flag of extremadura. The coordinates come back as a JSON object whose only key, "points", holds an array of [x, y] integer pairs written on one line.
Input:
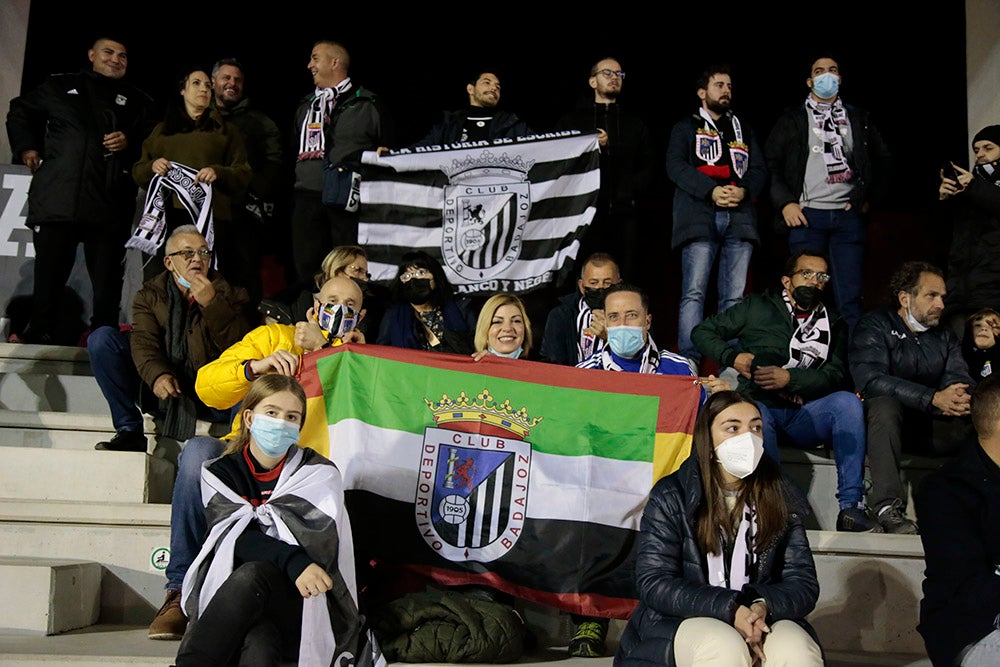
{"points": [[501, 216], [527, 477]]}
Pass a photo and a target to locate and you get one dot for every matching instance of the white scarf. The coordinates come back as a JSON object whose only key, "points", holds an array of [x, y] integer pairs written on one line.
{"points": [[308, 486], [810, 344], [312, 136], [587, 343], [195, 197], [742, 560]]}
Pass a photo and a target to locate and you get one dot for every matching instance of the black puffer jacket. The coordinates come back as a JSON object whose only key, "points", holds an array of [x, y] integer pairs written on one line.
{"points": [[65, 120], [672, 580], [887, 359]]}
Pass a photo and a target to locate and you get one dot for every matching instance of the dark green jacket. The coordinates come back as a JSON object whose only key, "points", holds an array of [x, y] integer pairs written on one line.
{"points": [[762, 325]]}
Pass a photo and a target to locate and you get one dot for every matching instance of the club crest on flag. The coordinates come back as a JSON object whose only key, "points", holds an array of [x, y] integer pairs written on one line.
{"points": [[472, 490], [486, 205]]}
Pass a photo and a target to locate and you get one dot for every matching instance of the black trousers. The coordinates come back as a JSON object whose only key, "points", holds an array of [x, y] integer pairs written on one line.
{"points": [[316, 230], [55, 253], [254, 619], [890, 424]]}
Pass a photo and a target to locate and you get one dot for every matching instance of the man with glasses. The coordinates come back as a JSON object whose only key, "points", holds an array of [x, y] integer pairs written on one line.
{"points": [[222, 383], [790, 351], [628, 165], [479, 121], [714, 161], [915, 382], [182, 319]]}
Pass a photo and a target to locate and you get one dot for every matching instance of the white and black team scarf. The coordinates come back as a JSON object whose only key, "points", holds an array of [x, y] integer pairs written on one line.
{"points": [[587, 343], [810, 344], [833, 124], [709, 149], [649, 358], [737, 572], [312, 135], [195, 197]]}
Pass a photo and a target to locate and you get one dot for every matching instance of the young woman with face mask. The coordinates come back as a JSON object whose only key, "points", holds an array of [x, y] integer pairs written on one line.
{"points": [[503, 328], [275, 577], [723, 567], [424, 315]]}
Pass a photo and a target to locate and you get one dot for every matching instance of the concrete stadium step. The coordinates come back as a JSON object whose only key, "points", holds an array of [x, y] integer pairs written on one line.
{"points": [[48, 377], [98, 476], [48, 596], [815, 471], [102, 645], [130, 540]]}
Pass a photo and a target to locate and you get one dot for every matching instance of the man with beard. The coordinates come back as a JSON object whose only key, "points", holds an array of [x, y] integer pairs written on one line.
{"points": [[263, 144], [827, 163], [574, 329], [79, 135], [791, 356], [916, 386], [973, 201], [481, 120], [628, 165], [714, 161]]}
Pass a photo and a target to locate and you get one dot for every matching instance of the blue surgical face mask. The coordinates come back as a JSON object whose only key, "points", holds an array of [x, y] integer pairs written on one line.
{"points": [[826, 85], [625, 341], [510, 355], [273, 436], [182, 281]]}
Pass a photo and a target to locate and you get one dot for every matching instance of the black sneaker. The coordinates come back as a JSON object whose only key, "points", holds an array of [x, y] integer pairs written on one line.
{"points": [[892, 519], [857, 520], [588, 640], [125, 441]]}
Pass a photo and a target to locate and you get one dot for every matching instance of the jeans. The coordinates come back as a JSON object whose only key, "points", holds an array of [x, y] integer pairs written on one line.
{"points": [[256, 613], [188, 526], [840, 235], [837, 419], [697, 258], [114, 370], [890, 424]]}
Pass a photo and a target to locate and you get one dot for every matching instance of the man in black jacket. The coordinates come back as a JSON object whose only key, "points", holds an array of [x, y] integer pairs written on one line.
{"points": [[910, 372], [79, 135], [959, 511], [973, 202], [481, 120], [628, 166], [827, 163]]}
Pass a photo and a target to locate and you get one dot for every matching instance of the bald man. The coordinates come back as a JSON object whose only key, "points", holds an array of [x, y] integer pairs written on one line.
{"points": [[222, 384]]}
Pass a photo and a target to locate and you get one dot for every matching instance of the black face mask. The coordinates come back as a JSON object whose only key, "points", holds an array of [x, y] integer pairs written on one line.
{"points": [[417, 290], [594, 297], [807, 297]]}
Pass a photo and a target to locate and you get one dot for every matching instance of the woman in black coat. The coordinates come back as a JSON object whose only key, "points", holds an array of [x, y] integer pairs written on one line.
{"points": [[723, 567]]}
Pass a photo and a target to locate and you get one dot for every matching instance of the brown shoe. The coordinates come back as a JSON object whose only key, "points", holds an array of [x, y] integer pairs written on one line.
{"points": [[170, 621]]}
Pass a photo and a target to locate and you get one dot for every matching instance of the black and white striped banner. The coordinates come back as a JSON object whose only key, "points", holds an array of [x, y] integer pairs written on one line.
{"points": [[503, 215]]}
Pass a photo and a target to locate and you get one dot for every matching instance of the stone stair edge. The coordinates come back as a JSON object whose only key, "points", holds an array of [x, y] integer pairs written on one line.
{"points": [[20, 510]]}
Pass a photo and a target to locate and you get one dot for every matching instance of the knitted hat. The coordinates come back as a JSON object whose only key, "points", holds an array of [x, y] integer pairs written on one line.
{"points": [[988, 133]]}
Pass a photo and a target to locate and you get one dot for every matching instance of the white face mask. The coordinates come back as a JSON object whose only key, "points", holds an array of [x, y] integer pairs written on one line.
{"points": [[740, 454], [914, 325]]}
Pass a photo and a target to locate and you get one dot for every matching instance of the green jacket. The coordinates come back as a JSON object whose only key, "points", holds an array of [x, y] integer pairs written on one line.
{"points": [[762, 325]]}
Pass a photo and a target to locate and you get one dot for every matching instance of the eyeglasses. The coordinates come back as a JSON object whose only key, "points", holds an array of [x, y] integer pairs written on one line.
{"points": [[416, 273], [358, 271], [188, 255], [821, 278], [610, 74]]}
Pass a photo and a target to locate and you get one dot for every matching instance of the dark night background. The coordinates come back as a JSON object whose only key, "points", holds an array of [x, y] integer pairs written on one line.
{"points": [[903, 64]]}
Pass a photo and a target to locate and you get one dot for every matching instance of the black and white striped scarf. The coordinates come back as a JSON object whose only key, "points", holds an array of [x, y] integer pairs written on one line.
{"points": [[649, 358], [810, 344], [312, 135], [833, 123], [741, 564], [195, 197], [587, 343], [708, 146]]}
